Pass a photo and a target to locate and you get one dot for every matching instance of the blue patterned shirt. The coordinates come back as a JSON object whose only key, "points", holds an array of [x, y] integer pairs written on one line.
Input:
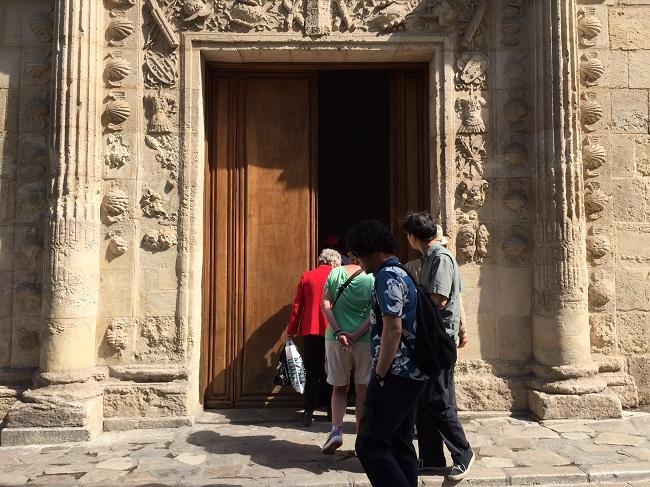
{"points": [[395, 294]]}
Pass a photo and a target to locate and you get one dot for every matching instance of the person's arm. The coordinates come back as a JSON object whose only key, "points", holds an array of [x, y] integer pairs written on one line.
{"points": [[361, 330], [442, 279], [463, 339], [390, 338], [328, 311], [296, 311]]}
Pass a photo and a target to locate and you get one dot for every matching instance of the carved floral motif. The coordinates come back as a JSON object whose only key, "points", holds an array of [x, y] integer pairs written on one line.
{"points": [[117, 153], [515, 244], [472, 193]]}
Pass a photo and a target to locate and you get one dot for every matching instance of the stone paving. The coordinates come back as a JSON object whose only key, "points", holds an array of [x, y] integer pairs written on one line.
{"points": [[274, 449]]}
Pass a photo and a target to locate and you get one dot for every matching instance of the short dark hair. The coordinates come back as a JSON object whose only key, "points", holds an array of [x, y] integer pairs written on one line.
{"points": [[421, 225], [370, 236]]}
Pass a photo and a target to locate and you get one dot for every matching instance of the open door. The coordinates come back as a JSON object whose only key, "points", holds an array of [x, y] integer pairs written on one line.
{"points": [[261, 213]]}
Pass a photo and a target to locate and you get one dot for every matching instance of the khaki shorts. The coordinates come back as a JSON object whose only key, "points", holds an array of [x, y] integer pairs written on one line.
{"points": [[339, 364]]}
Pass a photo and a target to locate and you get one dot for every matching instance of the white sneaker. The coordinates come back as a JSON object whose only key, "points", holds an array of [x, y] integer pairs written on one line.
{"points": [[459, 471], [334, 442]]}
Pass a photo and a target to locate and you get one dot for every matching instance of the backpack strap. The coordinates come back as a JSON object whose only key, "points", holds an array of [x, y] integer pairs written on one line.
{"points": [[345, 284]]}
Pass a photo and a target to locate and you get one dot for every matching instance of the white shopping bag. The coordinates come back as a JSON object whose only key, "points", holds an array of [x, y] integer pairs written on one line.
{"points": [[295, 366]]}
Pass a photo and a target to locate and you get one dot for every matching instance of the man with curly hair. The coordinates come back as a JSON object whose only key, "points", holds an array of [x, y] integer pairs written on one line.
{"points": [[385, 440]]}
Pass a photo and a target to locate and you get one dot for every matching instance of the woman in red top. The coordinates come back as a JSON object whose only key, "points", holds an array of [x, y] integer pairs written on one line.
{"points": [[307, 319]]}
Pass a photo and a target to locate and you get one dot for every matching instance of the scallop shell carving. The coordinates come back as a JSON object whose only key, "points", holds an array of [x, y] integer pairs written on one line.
{"points": [[43, 28], [592, 69], [119, 29], [117, 68], [589, 26], [39, 72], [117, 112], [590, 113], [596, 201], [593, 157], [515, 154], [515, 246], [516, 200]]}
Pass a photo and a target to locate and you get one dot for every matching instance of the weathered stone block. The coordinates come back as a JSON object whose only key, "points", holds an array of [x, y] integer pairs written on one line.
{"points": [[633, 241], [5, 343], [630, 200], [150, 400], [633, 329], [514, 337], [36, 415], [639, 368], [616, 69], [603, 333], [489, 393], [562, 406], [628, 28], [639, 62], [632, 290], [630, 111]]}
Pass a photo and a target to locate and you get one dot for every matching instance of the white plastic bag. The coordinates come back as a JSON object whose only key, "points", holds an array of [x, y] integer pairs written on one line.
{"points": [[295, 366]]}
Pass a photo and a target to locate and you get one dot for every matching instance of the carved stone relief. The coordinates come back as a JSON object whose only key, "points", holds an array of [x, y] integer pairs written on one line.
{"points": [[601, 290], [593, 157], [37, 110], [515, 244], [117, 246], [166, 146], [117, 153], [511, 22], [152, 207], [39, 71], [589, 26], [116, 69], [115, 205], [118, 335], [591, 69], [159, 240], [159, 108], [42, 26], [472, 193], [590, 111], [596, 200], [516, 198], [599, 245], [119, 28], [117, 112]]}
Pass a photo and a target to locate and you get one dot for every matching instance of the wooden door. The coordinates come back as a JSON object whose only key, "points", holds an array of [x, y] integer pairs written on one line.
{"points": [[261, 216]]}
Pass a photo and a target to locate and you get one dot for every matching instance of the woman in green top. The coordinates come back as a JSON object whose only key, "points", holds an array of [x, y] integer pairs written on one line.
{"points": [[346, 305]]}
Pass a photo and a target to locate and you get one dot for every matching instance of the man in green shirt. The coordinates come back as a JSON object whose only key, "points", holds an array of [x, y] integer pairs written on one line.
{"points": [[346, 305]]}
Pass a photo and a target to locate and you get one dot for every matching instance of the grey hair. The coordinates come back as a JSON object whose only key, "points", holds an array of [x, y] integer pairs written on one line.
{"points": [[330, 257]]}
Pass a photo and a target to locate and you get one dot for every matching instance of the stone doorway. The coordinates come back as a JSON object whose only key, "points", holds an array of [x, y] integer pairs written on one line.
{"points": [[279, 156]]}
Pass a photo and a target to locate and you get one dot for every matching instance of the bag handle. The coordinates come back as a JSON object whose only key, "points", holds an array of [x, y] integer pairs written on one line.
{"points": [[345, 284]]}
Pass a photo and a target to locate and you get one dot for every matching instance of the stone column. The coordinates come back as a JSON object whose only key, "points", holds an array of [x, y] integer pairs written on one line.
{"points": [[65, 402], [566, 384]]}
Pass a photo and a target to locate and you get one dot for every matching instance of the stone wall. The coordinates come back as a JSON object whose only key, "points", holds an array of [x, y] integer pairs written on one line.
{"points": [[25, 77], [614, 68]]}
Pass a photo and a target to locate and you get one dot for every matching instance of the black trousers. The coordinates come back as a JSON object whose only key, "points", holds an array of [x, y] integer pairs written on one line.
{"points": [[385, 440], [437, 422], [317, 391]]}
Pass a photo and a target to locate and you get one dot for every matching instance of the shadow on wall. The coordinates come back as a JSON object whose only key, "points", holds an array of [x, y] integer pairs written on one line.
{"points": [[25, 74]]}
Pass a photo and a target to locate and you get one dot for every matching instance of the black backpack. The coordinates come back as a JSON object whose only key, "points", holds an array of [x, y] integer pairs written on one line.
{"points": [[434, 348]]}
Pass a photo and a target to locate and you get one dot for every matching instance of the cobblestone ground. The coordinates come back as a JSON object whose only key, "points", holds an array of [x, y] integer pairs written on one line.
{"points": [[276, 451]]}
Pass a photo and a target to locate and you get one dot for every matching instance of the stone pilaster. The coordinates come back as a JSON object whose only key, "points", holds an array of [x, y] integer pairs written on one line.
{"points": [[65, 402], [567, 384]]}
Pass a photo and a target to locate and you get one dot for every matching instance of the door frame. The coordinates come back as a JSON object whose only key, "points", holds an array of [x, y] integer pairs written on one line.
{"points": [[210, 333]]}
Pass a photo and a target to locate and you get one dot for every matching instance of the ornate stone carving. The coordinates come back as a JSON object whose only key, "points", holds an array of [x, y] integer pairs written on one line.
{"points": [[37, 109], [167, 157], [515, 244], [470, 156], [599, 245], [471, 117], [115, 205], [197, 12], [471, 71], [472, 193], [515, 154], [119, 28], [482, 241], [590, 111], [516, 109], [117, 111], [165, 28], [152, 206], [601, 290], [466, 244], [589, 26], [160, 69], [593, 157], [117, 246], [516, 197], [42, 27], [28, 296], [117, 152], [159, 240], [591, 69], [596, 200], [117, 68], [118, 335], [124, 4], [511, 22], [159, 108], [39, 72], [28, 340]]}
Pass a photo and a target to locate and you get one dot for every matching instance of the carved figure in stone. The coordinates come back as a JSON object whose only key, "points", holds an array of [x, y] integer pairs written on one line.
{"points": [[117, 335], [42, 27], [472, 193], [115, 205], [601, 290], [515, 154], [470, 115], [159, 108], [515, 244], [160, 69], [159, 240], [117, 111], [471, 71], [126, 4], [37, 109], [471, 22], [465, 217], [197, 12], [164, 26], [39, 72], [152, 205], [117, 246], [470, 156], [390, 14], [117, 152], [599, 245], [119, 28], [28, 340], [591, 69], [516, 198], [466, 243], [511, 22], [482, 241], [167, 148], [251, 15], [589, 26], [590, 111], [442, 14], [593, 157], [596, 200], [117, 68], [294, 14]]}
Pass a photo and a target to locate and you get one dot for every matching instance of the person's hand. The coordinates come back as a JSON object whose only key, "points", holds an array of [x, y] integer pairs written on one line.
{"points": [[463, 339], [346, 341]]}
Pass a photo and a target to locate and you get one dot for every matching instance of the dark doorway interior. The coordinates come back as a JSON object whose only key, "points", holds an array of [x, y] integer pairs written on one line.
{"points": [[353, 149]]}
